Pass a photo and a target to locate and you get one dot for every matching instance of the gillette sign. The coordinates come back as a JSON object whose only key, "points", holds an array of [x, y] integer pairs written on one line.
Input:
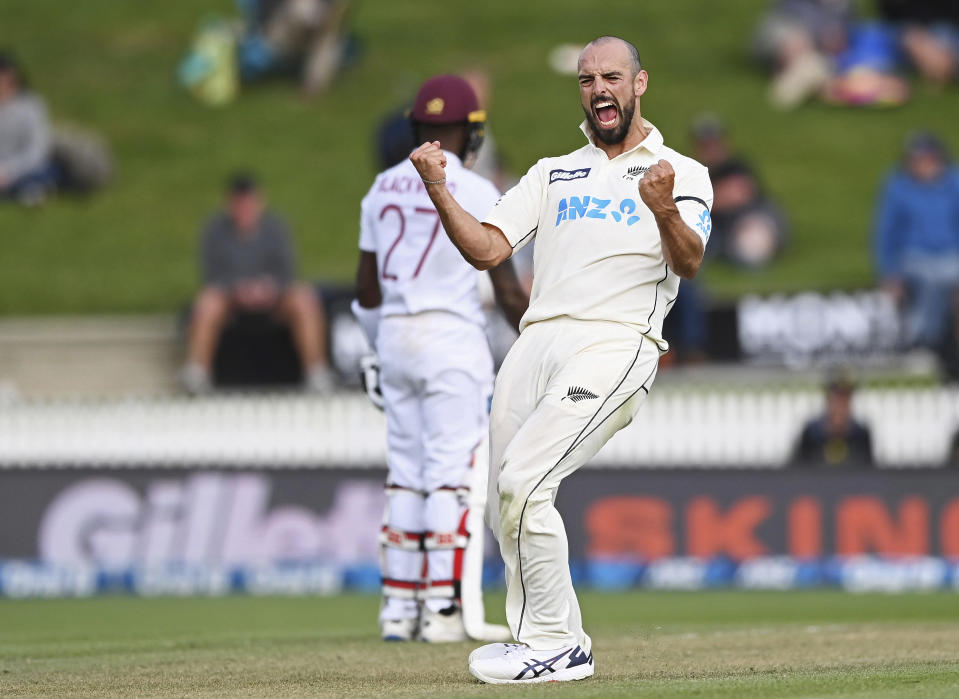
{"points": [[228, 519], [567, 175]]}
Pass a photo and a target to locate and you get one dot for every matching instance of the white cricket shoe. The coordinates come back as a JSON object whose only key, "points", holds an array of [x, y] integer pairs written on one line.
{"points": [[398, 629], [492, 650], [513, 663], [444, 626]]}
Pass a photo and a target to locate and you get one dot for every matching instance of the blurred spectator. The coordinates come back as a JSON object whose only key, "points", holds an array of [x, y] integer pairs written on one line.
{"points": [[749, 229], [26, 168], [819, 47], [394, 139], [299, 35], [867, 72], [917, 240], [929, 34], [797, 40], [835, 438], [248, 266], [210, 69], [303, 38], [687, 327]]}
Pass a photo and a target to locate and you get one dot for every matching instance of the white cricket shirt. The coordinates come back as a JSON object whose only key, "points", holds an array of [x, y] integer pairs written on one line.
{"points": [[598, 253], [419, 268]]}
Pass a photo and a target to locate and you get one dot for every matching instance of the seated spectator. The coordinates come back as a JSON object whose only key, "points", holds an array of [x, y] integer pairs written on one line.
{"points": [[248, 266], [867, 72], [929, 35], [798, 40], [26, 169], [303, 36], [835, 438], [749, 229], [917, 240]]}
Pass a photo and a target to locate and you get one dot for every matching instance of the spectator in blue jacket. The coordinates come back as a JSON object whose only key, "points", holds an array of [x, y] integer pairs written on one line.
{"points": [[917, 240]]}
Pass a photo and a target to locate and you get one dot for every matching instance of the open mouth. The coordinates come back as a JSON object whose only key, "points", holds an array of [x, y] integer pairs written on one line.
{"points": [[606, 113]]}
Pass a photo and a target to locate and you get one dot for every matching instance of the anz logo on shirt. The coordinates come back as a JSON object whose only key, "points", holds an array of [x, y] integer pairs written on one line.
{"points": [[572, 208]]}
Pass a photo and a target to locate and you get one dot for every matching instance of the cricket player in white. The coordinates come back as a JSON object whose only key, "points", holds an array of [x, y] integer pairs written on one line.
{"points": [[616, 223], [419, 302]]}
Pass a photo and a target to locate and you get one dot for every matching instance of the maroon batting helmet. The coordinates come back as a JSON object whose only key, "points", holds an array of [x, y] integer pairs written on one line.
{"points": [[449, 99]]}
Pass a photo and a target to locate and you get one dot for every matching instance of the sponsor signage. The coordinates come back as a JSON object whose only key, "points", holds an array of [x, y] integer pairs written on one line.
{"points": [[204, 531], [815, 327], [798, 330]]}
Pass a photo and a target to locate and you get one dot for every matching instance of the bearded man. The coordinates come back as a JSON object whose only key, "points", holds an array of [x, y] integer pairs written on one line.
{"points": [[616, 223]]}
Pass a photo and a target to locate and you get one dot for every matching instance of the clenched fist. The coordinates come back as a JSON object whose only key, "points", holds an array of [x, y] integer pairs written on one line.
{"points": [[656, 187], [430, 161]]}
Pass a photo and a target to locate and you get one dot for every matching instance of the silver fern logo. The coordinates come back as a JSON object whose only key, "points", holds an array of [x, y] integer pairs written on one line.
{"points": [[634, 172], [578, 393]]}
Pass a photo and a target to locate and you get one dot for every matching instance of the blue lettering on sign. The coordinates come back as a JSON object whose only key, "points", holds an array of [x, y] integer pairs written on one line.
{"points": [[705, 223], [571, 208]]}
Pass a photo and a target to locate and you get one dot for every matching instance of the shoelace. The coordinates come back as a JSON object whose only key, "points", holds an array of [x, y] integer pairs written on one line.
{"points": [[512, 647]]}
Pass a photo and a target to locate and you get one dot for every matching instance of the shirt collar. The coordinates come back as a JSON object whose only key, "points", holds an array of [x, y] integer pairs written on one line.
{"points": [[652, 143]]}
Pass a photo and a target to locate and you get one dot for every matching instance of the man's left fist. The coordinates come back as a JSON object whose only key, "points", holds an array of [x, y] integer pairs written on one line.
{"points": [[656, 187]]}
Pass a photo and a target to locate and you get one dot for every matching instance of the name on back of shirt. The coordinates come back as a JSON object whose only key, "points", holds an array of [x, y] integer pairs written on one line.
{"points": [[404, 184]]}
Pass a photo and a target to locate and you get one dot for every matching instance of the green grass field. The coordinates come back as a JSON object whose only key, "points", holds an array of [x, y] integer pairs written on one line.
{"points": [[110, 66], [728, 644]]}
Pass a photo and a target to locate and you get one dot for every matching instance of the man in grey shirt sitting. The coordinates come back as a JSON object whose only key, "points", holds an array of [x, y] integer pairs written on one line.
{"points": [[26, 171], [247, 265]]}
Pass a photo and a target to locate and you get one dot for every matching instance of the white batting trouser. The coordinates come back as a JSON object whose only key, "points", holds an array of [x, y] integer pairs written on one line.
{"points": [[436, 375], [565, 388]]}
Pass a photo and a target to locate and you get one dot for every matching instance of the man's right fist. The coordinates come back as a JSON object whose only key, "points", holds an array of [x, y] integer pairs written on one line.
{"points": [[430, 161]]}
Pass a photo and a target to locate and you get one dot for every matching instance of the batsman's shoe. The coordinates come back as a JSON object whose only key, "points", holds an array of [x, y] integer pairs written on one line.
{"points": [[444, 626], [509, 663], [398, 629]]}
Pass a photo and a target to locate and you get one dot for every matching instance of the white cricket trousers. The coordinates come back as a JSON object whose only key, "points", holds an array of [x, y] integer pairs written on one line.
{"points": [[565, 388], [436, 374]]}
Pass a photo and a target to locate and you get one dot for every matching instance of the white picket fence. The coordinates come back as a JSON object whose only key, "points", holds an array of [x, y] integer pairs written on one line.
{"points": [[677, 426], [910, 427]]}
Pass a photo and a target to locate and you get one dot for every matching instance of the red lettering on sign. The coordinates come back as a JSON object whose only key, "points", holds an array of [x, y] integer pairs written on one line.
{"points": [[634, 526], [865, 525], [710, 532], [949, 529], [804, 528]]}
